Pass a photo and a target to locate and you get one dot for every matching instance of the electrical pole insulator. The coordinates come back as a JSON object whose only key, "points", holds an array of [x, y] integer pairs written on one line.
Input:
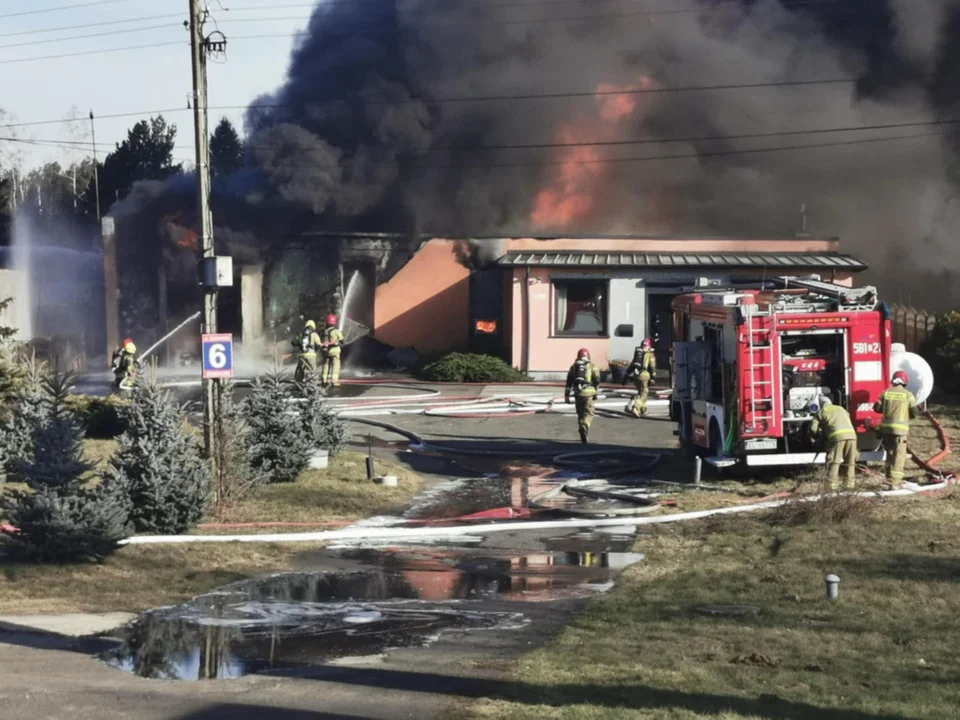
{"points": [[215, 42]]}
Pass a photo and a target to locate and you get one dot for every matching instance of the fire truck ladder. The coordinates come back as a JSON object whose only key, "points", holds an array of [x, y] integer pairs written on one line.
{"points": [[864, 298], [759, 340]]}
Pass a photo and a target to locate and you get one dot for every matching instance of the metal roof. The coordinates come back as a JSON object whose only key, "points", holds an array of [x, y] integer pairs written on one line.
{"points": [[682, 260]]}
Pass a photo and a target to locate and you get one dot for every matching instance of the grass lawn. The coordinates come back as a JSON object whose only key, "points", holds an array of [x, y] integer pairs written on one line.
{"points": [[139, 577], [885, 649], [341, 492]]}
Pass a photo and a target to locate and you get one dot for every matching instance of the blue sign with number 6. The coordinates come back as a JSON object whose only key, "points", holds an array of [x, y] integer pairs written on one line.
{"points": [[217, 355]]}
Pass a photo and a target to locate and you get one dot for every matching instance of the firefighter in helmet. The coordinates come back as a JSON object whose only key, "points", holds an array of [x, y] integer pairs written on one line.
{"points": [[306, 344], [898, 405], [582, 382], [124, 366], [641, 371], [332, 338], [833, 422]]}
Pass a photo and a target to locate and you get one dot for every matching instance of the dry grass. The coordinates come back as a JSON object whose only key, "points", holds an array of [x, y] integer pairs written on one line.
{"points": [[828, 508], [99, 451], [137, 577], [341, 492], [886, 649]]}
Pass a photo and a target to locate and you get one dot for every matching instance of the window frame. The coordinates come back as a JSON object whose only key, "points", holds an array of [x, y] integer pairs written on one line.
{"points": [[555, 332]]}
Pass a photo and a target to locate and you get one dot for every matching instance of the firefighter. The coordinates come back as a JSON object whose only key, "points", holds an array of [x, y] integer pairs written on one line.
{"points": [[124, 366], [898, 405], [641, 371], [332, 337], [306, 344], [834, 423], [582, 382]]}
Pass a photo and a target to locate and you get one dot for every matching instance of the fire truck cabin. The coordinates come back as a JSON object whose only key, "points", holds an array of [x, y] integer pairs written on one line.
{"points": [[747, 364]]}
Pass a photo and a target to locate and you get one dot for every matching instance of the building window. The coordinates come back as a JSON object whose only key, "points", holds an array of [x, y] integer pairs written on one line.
{"points": [[581, 307]]}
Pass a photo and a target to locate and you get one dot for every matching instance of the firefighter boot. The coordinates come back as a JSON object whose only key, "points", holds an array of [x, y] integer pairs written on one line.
{"points": [[583, 435]]}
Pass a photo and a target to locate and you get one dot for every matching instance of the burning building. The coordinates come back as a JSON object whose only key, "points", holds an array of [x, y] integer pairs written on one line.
{"points": [[627, 137]]}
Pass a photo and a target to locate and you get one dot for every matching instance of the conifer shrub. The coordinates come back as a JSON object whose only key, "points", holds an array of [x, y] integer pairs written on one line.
{"points": [[159, 462], [280, 448], [60, 518]]}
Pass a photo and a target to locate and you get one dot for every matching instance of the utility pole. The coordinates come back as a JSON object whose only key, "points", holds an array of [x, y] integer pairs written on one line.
{"points": [[198, 48], [96, 170]]}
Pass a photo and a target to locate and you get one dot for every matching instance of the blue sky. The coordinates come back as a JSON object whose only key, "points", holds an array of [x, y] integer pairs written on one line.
{"points": [[130, 81]]}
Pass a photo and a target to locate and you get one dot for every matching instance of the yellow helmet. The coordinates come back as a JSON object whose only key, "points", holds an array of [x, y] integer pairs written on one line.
{"points": [[130, 347], [311, 325]]}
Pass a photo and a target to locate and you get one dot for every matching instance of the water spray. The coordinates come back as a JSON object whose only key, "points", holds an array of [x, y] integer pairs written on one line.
{"points": [[347, 296], [166, 337]]}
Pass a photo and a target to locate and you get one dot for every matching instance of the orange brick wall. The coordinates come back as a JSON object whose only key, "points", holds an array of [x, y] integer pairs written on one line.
{"points": [[426, 305]]}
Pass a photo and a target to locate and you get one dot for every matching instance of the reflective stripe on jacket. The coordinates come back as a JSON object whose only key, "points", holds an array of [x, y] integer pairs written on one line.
{"points": [[895, 404], [835, 422]]}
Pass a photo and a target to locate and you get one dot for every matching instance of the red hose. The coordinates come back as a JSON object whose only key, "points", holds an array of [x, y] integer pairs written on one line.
{"points": [[928, 465]]}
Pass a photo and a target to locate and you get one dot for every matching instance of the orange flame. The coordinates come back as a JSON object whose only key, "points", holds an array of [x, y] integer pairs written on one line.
{"points": [[569, 196], [188, 239]]}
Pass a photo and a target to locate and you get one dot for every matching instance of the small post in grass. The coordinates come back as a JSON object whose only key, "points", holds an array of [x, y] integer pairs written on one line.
{"points": [[833, 586], [697, 469], [370, 469]]}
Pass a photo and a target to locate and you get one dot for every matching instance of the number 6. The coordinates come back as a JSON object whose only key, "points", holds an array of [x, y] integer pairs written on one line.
{"points": [[218, 356]]}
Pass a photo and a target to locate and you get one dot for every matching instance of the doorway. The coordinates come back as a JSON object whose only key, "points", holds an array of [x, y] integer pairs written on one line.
{"points": [[658, 328]]}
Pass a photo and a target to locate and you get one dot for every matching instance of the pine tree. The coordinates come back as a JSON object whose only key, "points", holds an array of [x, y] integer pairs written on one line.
{"points": [[159, 464], [280, 447], [321, 425], [59, 519], [31, 409], [237, 474]]}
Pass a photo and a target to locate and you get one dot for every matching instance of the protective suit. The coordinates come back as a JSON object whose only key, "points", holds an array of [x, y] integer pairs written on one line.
{"points": [[641, 371], [898, 405], [124, 366], [306, 343], [582, 383], [331, 341], [836, 426]]}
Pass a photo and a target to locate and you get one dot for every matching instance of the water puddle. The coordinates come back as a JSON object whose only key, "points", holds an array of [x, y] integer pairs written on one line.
{"points": [[369, 602]]}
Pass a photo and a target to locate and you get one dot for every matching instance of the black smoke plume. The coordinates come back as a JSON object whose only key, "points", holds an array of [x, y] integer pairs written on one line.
{"points": [[374, 129]]}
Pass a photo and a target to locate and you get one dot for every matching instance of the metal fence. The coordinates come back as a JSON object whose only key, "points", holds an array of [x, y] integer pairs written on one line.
{"points": [[911, 326]]}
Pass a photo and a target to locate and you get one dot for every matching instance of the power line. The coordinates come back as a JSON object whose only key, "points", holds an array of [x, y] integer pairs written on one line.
{"points": [[557, 95], [477, 98], [689, 139], [541, 3], [602, 143], [640, 159], [90, 52], [59, 8], [109, 116], [375, 29], [111, 33], [646, 158], [84, 26]]}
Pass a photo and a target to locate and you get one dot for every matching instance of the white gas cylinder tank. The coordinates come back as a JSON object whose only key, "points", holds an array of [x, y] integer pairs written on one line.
{"points": [[919, 374]]}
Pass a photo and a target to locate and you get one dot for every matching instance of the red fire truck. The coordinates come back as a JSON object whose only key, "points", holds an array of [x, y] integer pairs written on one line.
{"points": [[747, 364]]}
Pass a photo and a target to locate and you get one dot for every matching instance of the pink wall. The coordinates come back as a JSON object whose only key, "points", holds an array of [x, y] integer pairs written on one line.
{"points": [[427, 303], [553, 354], [547, 354]]}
